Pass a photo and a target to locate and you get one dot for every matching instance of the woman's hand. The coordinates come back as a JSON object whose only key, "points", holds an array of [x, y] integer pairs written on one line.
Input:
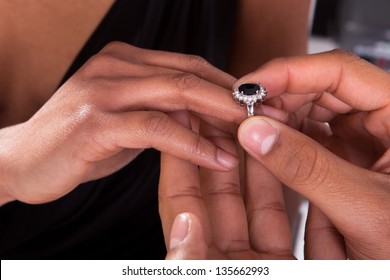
{"points": [[349, 215], [107, 113], [212, 215]]}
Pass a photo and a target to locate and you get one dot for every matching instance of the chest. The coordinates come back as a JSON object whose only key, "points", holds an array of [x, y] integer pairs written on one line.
{"points": [[38, 42]]}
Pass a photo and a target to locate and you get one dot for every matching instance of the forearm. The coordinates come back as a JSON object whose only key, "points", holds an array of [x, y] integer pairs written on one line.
{"points": [[265, 30]]}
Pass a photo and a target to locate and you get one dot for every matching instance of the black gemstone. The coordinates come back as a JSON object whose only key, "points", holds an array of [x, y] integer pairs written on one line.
{"points": [[249, 89]]}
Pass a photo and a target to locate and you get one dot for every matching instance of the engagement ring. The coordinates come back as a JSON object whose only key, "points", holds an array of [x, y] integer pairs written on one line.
{"points": [[250, 95]]}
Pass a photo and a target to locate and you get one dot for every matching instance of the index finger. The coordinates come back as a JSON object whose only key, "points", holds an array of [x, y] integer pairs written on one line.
{"points": [[348, 78]]}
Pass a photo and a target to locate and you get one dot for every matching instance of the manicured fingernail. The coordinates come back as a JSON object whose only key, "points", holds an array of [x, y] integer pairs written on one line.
{"points": [[180, 229], [226, 159], [258, 136]]}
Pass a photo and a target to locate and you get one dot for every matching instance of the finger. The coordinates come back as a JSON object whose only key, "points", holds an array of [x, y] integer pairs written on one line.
{"points": [[336, 134], [187, 87], [232, 126], [112, 164], [191, 64], [179, 187], [222, 194], [292, 102], [383, 163], [159, 131], [170, 60], [268, 222], [179, 191], [328, 181], [339, 73], [187, 241], [322, 239], [317, 111], [168, 92]]}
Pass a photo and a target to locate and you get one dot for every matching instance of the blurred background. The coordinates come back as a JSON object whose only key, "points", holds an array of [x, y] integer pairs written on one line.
{"points": [[361, 26]]}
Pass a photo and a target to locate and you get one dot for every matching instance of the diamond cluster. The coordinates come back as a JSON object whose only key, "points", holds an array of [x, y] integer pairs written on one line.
{"points": [[250, 94]]}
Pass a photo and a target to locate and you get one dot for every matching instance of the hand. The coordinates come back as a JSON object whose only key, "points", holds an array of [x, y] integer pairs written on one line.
{"points": [[106, 114], [215, 219], [339, 89], [350, 200]]}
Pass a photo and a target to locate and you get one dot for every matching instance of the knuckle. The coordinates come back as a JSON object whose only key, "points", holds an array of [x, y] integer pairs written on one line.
{"points": [[346, 55], [197, 62], [196, 146], [185, 82], [199, 148], [122, 51], [342, 52], [304, 165], [97, 66], [191, 190], [224, 188], [114, 46], [270, 207], [107, 59], [284, 61], [158, 124]]}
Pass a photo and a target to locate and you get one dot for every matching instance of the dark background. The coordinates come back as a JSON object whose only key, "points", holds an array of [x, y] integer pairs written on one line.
{"points": [[361, 26]]}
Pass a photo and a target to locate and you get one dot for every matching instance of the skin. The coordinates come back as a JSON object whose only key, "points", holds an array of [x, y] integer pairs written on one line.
{"points": [[95, 133], [39, 41], [341, 168], [266, 30], [91, 126], [226, 222], [254, 43]]}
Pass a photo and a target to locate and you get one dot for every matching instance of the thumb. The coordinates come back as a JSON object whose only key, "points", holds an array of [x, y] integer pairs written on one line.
{"points": [[304, 165], [187, 240]]}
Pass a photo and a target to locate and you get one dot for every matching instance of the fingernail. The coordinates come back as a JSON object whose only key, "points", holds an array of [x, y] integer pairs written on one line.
{"points": [[226, 159], [258, 136], [180, 229]]}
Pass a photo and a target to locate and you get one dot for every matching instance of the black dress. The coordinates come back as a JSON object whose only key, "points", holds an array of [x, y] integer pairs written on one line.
{"points": [[117, 217]]}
